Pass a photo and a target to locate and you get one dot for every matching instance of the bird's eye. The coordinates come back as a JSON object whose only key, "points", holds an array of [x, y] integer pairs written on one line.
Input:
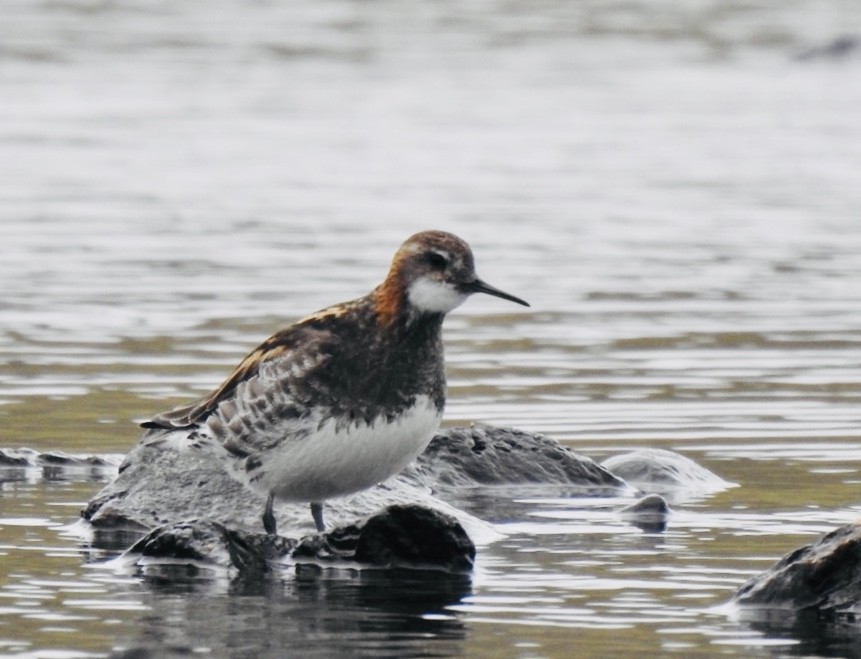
{"points": [[437, 260]]}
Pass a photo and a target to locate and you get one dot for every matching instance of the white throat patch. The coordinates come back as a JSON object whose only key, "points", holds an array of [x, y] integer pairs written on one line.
{"points": [[434, 296]]}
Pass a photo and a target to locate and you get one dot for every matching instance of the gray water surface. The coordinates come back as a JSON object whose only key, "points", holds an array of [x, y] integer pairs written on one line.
{"points": [[674, 186]]}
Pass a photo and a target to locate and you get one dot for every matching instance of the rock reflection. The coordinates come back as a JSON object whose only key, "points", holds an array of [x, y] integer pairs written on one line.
{"points": [[815, 634], [316, 612]]}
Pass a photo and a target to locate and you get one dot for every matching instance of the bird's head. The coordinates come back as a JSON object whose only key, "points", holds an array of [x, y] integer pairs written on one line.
{"points": [[434, 272]]}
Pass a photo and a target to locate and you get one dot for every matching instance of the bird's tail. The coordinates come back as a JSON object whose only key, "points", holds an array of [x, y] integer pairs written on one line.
{"points": [[179, 439]]}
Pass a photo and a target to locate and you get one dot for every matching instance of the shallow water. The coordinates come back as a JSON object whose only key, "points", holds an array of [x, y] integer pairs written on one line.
{"points": [[672, 188]]}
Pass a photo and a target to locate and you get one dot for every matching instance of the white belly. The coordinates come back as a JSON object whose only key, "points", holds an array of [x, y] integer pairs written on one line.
{"points": [[334, 462]]}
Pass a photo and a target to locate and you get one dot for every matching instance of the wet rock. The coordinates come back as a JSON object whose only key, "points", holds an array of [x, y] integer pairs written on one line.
{"points": [[824, 576], [399, 536], [22, 457], [649, 513], [659, 471], [155, 487], [159, 488], [489, 455], [406, 536]]}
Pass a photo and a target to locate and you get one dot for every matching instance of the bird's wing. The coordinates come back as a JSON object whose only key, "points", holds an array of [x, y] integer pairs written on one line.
{"points": [[288, 354]]}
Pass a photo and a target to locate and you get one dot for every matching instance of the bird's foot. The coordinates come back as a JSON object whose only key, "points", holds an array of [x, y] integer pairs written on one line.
{"points": [[317, 514], [269, 523]]}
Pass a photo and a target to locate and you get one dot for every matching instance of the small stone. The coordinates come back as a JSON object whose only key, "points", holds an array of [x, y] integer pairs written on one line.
{"points": [[649, 513]]}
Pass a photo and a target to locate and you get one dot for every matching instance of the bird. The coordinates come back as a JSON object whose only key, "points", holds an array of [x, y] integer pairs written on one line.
{"points": [[344, 398]]}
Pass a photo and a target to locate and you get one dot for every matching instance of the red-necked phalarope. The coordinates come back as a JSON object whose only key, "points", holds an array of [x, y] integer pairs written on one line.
{"points": [[344, 398]]}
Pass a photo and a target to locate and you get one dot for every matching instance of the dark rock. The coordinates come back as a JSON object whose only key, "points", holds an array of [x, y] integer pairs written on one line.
{"points": [[488, 455], [399, 536], [22, 457], [660, 471], [649, 513], [824, 576], [407, 536]]}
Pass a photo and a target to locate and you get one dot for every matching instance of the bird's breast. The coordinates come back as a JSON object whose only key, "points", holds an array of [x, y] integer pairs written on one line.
{"points": [[340, 458]]}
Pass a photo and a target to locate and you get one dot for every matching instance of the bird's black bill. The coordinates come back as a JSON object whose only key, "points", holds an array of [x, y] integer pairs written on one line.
{"points": [[479, 286]]}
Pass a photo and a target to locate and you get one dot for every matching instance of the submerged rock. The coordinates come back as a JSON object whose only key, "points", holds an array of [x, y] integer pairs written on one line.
{"points": [[649, 513], [23, 463], [659, 471], [26, 457], [22, 457], [824, 576]]}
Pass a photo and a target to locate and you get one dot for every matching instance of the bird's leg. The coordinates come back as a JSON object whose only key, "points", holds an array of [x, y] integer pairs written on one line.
{"points": [[317, 514], [269, 516]]}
